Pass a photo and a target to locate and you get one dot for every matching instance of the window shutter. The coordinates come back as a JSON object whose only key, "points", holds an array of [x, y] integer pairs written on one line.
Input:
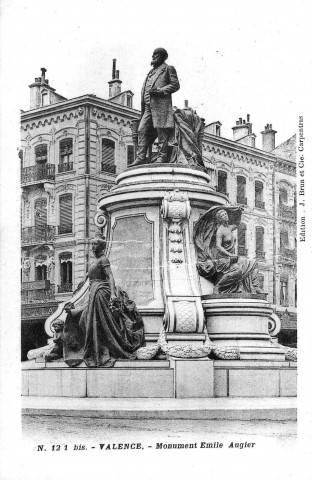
{"points": [[283, 239], [259, 239], [108, 155], [40, 212], [241, 186], [222, 179], [66, 212], [241, 235], [261, 281], [258, 190], [283, 196], [130, 154]]}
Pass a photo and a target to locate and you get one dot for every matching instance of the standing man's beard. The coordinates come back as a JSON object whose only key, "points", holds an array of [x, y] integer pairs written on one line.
{"points": [[156, 64]]}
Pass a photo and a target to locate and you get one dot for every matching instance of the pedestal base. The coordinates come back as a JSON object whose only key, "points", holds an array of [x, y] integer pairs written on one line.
{"points": [[192, 378], [242, 322], [174, 378]]}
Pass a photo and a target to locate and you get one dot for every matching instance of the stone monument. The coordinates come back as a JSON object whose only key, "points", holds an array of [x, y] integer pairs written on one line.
{"points": [[171, 245]]}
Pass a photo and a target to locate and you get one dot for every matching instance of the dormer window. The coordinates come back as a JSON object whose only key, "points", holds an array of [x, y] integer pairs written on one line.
{"points": [[44, 98], [129, 101]]}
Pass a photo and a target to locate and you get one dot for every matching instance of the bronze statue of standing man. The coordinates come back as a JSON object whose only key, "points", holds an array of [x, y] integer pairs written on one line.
{"points": [[157, 114]]}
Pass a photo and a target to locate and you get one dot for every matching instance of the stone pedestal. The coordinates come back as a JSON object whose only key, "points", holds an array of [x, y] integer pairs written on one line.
{"points": [[255, 378], [148, 219], [193, 378], [241, 320]]}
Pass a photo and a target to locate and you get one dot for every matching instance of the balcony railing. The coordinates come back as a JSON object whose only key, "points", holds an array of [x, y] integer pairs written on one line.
{"points": [[286, 211], [106, 167], [260, 255], [65, 287], [38, 173], [65, 228], [259, 204], [36, 285], [242, 251], [241, 200], [38, 234], [38, 295], [65, 167], [288, 253]]}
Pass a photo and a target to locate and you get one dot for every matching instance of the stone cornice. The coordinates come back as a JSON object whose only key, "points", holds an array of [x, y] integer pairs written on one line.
{"points": [[229, 148], [66, 110]]}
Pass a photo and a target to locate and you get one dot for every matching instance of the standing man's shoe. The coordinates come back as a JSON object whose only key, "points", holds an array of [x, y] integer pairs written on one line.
{"points": [[160, 160], [137, 161]]}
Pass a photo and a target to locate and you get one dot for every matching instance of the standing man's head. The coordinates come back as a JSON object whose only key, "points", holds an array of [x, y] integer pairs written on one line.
{"points": [[158, 57]]}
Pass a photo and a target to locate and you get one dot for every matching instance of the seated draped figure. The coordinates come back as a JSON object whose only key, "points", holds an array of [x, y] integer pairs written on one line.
{"points": [[109, 326], [217, 258]]}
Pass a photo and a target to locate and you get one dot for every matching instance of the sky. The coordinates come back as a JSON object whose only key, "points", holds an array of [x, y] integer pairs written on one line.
{"points": [[232, 58]]}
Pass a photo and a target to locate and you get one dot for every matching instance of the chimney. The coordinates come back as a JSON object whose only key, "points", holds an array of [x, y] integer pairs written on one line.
{"points": [[268, 138], [42, 94], [114, 83], [186, 104], [243, 128], [114, 69], [43, 72]]}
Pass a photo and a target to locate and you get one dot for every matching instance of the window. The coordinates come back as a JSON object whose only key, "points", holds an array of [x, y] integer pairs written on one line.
{"points": [[44, 99], [40, 267], [66, 209], [283, 195], [241, 190], [41, 272], [218, 130], [41, 153], [295, 294], [259, 203], [129, 101], [66, 155], [284, 291], [108, 156], [283, 239], [21, 156], [40, 208], [260, 254], [222, 180], [66, 273], [261, 281], [241, 240], [130, 154]]}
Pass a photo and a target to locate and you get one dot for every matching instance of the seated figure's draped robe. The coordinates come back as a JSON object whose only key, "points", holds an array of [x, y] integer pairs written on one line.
{"points": [[103, 332], [214, 265]]}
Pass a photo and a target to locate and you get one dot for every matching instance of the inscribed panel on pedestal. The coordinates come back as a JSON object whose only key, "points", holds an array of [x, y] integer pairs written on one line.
{"points": [[131, 257]]}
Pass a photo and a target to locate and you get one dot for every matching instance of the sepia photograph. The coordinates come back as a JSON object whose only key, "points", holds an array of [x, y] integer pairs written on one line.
{"points": [[159, 197]]}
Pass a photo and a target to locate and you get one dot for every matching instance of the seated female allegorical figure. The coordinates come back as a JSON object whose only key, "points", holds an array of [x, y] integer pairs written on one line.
{"points": [[217, 252], [109, 326]]}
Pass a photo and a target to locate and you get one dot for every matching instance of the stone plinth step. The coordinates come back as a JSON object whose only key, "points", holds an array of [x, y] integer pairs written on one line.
{"points": [[275, 409], [143, 382], [41, 363]]}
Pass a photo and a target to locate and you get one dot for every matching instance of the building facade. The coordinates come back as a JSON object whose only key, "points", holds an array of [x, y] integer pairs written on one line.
{"points": [[71, 152]]}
